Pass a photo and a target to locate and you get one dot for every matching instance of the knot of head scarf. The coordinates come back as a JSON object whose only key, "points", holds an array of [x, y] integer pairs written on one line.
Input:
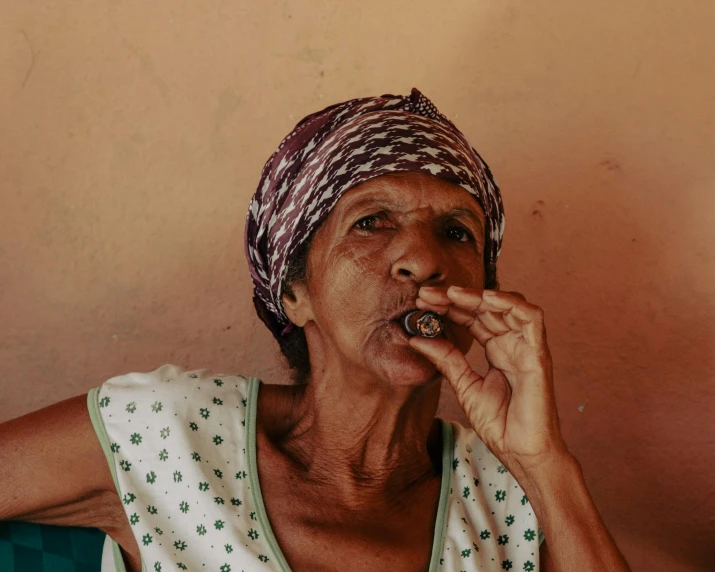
{"points": [[331, 151]]}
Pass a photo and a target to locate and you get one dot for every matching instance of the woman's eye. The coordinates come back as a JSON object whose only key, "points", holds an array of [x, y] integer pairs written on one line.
{"points": [[367, 222], [461, 234]]}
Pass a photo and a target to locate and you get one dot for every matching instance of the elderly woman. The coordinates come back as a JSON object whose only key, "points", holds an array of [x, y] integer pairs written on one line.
{"points": [[369, 210]]}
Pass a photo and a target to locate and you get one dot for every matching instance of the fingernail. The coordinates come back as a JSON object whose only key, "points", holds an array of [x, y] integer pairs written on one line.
{"points": [[457, 289]]}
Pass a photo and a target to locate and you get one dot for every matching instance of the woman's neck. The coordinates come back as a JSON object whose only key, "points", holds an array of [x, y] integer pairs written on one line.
{"points": [[361, 440]]}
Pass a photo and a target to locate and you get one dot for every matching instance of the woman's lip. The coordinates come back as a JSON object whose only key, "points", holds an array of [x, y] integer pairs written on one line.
{"points": [[403, 314], [394, 325]]}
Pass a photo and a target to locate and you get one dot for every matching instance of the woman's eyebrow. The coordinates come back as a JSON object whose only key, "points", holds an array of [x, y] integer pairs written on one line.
{"points": [[360, 204], [465, 212]]}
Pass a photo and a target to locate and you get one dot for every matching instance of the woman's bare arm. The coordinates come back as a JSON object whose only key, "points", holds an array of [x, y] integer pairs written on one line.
{"points": [[53, 470], [577, 536]]}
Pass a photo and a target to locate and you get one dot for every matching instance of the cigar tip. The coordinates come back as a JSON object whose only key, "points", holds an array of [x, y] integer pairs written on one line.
{"points": [[423, 323]]}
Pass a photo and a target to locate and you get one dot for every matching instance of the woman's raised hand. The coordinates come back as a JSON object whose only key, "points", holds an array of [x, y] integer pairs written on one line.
{"points": [[512, 408]]}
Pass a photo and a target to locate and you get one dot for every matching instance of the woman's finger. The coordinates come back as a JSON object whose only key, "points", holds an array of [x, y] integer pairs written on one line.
{"points": [[482, 329], [469, 300], [512, 322], [472, 322], [435, 295], [424, 305], [514, 293], [529, 316], [518, 314], [509, 302], [494, 321], [461, 317], [499, 312]]}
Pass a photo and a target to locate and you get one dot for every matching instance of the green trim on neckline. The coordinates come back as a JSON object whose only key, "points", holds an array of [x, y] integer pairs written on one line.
{"points": [[101, 431], [446, 482], [253, 386], [442, 512]]}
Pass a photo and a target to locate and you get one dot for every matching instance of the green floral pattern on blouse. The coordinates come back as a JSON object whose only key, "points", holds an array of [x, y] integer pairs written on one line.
{"points": [[179, 443]]}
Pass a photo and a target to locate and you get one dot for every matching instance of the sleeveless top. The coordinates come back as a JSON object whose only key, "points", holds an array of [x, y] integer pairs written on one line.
{"points": [[181, 446]]}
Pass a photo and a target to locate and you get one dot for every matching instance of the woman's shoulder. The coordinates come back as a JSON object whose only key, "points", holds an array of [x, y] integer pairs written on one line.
{"points": [[170, 375], [178, 445], [170, 384], [191, 406]]}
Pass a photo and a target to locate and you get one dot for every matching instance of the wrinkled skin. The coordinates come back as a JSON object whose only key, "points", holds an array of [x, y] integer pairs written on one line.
{"points": [[359, 276]]}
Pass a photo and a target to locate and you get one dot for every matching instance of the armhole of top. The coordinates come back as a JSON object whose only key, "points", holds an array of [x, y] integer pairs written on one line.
{"points": [[448, 440], [252, 389], [101, 432], [541, 536]]}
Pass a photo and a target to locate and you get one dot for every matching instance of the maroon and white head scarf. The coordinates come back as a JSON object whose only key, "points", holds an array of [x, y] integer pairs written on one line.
{"points": [[331, 151]]}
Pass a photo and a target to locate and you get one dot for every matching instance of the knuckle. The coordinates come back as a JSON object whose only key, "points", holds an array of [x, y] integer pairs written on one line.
{"points": [[518, 295], [538, 312]]}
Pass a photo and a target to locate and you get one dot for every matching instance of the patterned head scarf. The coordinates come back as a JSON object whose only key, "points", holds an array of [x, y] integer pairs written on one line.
{"points": [[331, 151]]}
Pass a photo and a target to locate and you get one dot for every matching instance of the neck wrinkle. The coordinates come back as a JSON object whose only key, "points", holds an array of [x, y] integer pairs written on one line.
{"points": [[366, 444]]}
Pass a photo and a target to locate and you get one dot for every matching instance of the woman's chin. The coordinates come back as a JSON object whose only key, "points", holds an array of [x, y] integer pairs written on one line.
{"points": [[404, 365], [394, 359]]}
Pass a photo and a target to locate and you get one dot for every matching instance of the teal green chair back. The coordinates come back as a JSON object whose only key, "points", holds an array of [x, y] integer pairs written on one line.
{"points": [[27, 547]]}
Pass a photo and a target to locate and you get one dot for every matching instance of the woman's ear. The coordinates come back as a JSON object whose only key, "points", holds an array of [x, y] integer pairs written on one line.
{"points": [[296, 304]]}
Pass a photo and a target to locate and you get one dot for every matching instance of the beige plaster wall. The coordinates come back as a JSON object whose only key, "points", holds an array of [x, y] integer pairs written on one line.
{"points": [[132, 135]]}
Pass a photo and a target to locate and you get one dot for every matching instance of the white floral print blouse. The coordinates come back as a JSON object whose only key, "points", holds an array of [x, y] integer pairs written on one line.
{"points": [[181, 448]]}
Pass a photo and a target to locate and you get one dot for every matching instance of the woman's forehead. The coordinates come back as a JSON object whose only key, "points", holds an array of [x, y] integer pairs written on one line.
{"points": [[404, 191]]}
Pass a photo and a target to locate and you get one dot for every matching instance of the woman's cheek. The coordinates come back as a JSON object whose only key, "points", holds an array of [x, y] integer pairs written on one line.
{"points": [[359, 260]]}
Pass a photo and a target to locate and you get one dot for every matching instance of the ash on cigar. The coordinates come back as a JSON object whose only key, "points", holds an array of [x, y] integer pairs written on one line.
{"points": [[423, 323]]}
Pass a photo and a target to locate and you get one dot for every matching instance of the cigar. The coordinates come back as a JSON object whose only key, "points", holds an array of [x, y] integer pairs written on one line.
{"points": [[423, 323]]}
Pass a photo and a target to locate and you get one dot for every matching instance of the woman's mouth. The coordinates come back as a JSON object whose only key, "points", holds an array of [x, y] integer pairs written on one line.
{"points": [[397, 332]]}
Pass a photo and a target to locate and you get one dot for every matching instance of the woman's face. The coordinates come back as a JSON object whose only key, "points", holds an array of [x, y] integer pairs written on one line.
{"points": [[385, 239]]}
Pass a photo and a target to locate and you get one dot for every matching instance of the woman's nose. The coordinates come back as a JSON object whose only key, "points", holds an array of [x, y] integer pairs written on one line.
{"points": [[418, 255]]}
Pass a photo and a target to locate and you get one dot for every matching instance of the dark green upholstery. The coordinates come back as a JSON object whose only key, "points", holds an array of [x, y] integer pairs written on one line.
{"points": [[26, 547]]}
